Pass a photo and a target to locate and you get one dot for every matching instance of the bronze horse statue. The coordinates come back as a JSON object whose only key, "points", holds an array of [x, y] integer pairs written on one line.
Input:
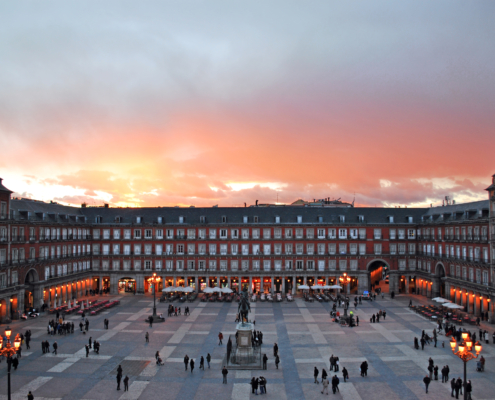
{"points": [[244, 306]]}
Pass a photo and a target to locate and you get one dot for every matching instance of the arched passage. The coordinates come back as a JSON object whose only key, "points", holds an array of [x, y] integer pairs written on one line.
{"points": [[439, 281], [30, 292], [3, 310], [377, 272]]}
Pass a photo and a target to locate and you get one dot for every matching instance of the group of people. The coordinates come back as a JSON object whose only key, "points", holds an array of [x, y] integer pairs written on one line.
{"points": [[335, 379], [376, 317], [119, 379], [258, 383], [257, 338], [188, 362], [60, 327]]}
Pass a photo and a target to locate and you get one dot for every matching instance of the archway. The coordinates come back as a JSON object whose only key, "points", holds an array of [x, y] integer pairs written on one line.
{"points": [[29, 292], [439, 281], [378, 271], [3, 310], [127, 285]]}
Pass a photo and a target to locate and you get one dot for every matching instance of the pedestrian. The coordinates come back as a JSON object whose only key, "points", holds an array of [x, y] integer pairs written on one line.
{"points": [[55, 347], [345, 374], [147, 337], [447, 371], [323, 373], [202, 363], [335, 384], [186, 361], [275, 350], [265, 359], [80, 326], [220, 337], [430, 370], [157, 355], [151, 321], [325, 384], [337, 363], [458, 384], [422, 343], [435, 372], [87, 351], [277, 361], [30, 396], [469, 389], [453, 387], [254, 386], [208, 359], [315, 373], [119, 370], [427, 381], [119, 378], [224, 374], [332, 362], [126, 384], [90, 341], [191, 364]]}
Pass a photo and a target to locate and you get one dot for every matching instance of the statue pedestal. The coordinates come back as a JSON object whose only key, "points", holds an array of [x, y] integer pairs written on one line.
{"points": [[244, 334]]}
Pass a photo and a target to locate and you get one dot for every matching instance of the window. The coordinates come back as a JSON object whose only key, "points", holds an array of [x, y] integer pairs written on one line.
{"points": [[402, 265], [137, 265], [485, 277], [342, 248], [332, 233], [213, 249], [343, 265], [245, 219], [201, 265], [106, 233], [391, 219], [266, 265], [245, 249], [310, 264], [191, 233], [411, 234], [332, 248], [256, 233], [299, 233], [402, 234], [180, 234], [393, 248], [299, 248], [137, 234], [342, 233], [148, 234], [332, 265], [277, 219], [321, 265], [255, 220], [116, 233], [321, 234], [353, 233], [412, 248], [378, 248], [234, 249], [224, 219], [267, 233], [353, 265], [310, 248], [299, 265], [342, 218], [392, 234], [377, 234], [181, 219], [147, 264], [245, 233], [310, 233], [202, 249], [223, 249], [278, 265], [256, 249], [267, 249], [180, 249], [256, 265], [362, 233], [245, 265], [169, 265], [223, 265], [299, 219], [223, 233], [321, 248], [234, 233], [362, 248], [170, 233], [277, 233], [402, 248], [288, 265], [234, 265], [288, 248], [190, 248], [213, 233], [179, 265], [288, 233]]}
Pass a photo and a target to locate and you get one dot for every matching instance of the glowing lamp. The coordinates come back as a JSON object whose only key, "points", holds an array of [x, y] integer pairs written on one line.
{"points": [[453, 343], [465, 335], [17, 342], [469, 344], [11, 300], [8, 332], [478, 347], [1, 343], [461, 347]]}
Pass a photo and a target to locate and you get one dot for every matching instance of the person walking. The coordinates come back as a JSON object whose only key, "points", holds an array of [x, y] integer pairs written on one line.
{"points": [[126, 384], [345, 374], [147, 337], [208, 359], [325, 384], [453, 387], [323, 373], [224, 374], [277, 361], [186, 361], [426, 381], [191, 364], [275, 350], [202, 363], [335, 384], [220, 337], [315, 373], [87, 351], [55, 347], [469, 389], [459, 384]]}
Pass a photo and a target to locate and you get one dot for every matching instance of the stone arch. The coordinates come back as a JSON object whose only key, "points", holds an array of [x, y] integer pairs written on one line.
{"points": [[439, 280], [374, 271], [377, 260], [31, 277]]}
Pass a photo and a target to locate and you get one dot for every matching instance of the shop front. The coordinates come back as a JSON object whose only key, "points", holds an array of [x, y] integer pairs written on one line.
{"points": [[288, 285], [127, 285], [267, 285], [148, 284], [191, 282], [257, 285], [234, 284], [202, 283]]}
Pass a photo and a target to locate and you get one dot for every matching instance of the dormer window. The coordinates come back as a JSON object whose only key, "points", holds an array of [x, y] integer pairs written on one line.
{"points": [[224, 219], [277, 219], [391, 219], [139, 220], [181, 219], [342, 218], [410, 219], [98, 219], [320, 218], [118, 220], [160, 220], [255, 220], [299, 219], [361, 218]]}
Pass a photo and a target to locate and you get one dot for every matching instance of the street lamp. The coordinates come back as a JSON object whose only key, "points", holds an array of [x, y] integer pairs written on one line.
{"points": [[154, 279], [465, 354], [8, 352], [344, 280]]}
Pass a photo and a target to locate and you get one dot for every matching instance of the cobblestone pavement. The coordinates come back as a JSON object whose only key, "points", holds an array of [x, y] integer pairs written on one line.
{"points": [[303, 331]]}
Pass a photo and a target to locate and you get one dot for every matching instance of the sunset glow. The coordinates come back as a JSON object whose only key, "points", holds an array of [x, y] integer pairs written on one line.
{"points": [[164, 104]]}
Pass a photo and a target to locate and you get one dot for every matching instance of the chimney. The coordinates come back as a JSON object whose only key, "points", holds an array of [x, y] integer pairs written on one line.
{"points": [[83, 205], [256, 203], [245, 205], [106, 205]]}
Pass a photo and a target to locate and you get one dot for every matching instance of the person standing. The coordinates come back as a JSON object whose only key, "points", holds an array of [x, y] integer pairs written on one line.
{"points": [[275, 350], [126, 384], [55, 347], [277, 361], [224, 374], [447, 372], [315, 373], [435, 372], [87, 351], [30, 396], [119, 378], [208, 359], [90, 341], [357, 320], [469, 389], [186, 361], [265, 360], [191, 364], [345, 374], [147, 337], [254, 386], [202, 363], [453, 386], [335, 384], [459, 384], [220, 337], [332, 362], [151, 321], [426, 381]]}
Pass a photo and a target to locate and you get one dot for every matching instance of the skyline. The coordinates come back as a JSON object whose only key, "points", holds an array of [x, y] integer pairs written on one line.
{"points": [[205, 103]]}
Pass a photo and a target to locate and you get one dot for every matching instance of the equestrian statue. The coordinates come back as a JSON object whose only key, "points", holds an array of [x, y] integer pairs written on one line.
{"points": [[244, 307]]}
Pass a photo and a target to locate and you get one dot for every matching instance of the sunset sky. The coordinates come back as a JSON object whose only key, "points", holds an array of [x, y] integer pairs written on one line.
{"points": [[201, 103]]}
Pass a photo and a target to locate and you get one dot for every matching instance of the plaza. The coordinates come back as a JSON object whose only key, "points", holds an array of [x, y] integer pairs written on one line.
{"points": [[304, 332]]}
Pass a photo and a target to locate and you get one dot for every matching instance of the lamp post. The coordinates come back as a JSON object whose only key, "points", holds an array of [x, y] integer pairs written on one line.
{"points": [[7, 350], [154, 279], [465, 354], [344, 280]]}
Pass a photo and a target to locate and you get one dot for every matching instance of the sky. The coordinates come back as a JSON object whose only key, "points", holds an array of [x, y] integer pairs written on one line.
{"points": [[204, 103]]}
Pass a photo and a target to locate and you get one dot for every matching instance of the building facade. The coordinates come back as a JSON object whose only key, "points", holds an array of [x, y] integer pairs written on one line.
{"points": [[51, 253]]}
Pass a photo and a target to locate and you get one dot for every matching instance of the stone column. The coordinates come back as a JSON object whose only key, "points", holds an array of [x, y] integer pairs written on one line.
{"points": [[20, 301], [273, 284], [239, 284], [250, 289], [218, 281], [283, 285], [196, 283], [407, 284], [304, 282], [114, 284], [363, 284]]}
